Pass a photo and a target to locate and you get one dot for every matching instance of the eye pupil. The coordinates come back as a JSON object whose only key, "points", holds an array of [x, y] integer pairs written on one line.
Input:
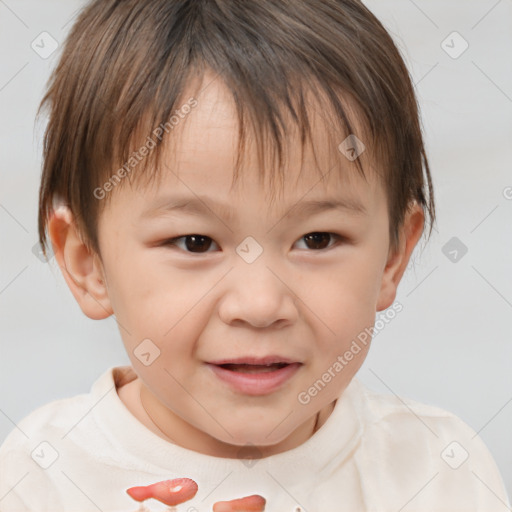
{"points": [[197, 242], [317, 239]]}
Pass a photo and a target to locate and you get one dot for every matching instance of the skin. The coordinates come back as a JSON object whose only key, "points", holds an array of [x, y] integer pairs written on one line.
{"points": [[295, 300]]}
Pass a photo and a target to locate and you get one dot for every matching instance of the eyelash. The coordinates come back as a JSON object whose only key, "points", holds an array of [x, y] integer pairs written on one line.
{"points": [[338, 239]]}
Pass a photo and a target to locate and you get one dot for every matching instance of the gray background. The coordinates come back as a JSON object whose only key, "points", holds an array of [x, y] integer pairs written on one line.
{"points": [[451, 346]]}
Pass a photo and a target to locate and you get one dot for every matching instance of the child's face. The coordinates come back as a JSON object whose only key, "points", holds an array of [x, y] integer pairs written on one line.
{"points": [[205, 300]]}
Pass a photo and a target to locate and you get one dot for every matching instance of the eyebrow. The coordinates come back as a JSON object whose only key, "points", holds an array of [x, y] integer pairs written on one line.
{"points": [[203, 205]]}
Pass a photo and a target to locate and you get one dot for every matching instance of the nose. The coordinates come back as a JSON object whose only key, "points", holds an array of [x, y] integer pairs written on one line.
{"points": [[258, 295]]}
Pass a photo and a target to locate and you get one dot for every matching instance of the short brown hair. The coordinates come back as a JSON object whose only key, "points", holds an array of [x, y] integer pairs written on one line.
{"points": [[126, 64]]}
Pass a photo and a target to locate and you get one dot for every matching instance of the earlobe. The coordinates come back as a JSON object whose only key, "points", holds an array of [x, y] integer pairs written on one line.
{"points": [[81, 268], [398, 260]]}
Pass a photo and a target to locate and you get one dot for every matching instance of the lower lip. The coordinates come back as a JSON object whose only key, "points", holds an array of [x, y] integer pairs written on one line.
{"points": [[256, 383]]}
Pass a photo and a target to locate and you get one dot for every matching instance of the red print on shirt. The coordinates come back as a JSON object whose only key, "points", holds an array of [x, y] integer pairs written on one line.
{"points": [[179, 490]]}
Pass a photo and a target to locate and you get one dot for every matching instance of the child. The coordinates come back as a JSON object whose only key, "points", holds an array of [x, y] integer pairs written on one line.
{"points": [[166, 118]]}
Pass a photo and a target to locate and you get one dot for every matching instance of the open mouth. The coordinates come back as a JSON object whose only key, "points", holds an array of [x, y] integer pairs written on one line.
{"points": [[253, 368]]}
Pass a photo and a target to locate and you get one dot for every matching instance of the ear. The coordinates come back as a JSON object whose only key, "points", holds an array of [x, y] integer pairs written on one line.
{"points": [[81, 268], [398, 260]]}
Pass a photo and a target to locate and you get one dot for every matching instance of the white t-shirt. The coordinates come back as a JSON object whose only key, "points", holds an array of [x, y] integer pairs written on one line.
{"points": [[374, 453]]}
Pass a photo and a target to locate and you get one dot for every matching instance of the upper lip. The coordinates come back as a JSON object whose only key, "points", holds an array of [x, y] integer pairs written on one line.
{"points": [[267, 360]]}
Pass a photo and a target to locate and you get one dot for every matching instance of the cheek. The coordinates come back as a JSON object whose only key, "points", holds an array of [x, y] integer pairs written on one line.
{"points": [[144, 288], [343, 297], [150, 302]]}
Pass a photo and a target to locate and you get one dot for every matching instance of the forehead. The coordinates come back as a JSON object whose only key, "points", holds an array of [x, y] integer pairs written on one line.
{"points": [[200, 154]]}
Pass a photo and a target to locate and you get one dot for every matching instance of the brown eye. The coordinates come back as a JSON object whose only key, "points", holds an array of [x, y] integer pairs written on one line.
{"points": [[319, 240], [192, 243]]}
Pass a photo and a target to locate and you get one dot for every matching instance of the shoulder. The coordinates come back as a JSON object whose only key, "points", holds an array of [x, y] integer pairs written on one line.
{"points": [[402, 418], [43, 429], [29, 451], [62, 418], [424, 447], [51, 432], [47, 438], [380, 408], [51, 417], [59, 416], [393, 418]]}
